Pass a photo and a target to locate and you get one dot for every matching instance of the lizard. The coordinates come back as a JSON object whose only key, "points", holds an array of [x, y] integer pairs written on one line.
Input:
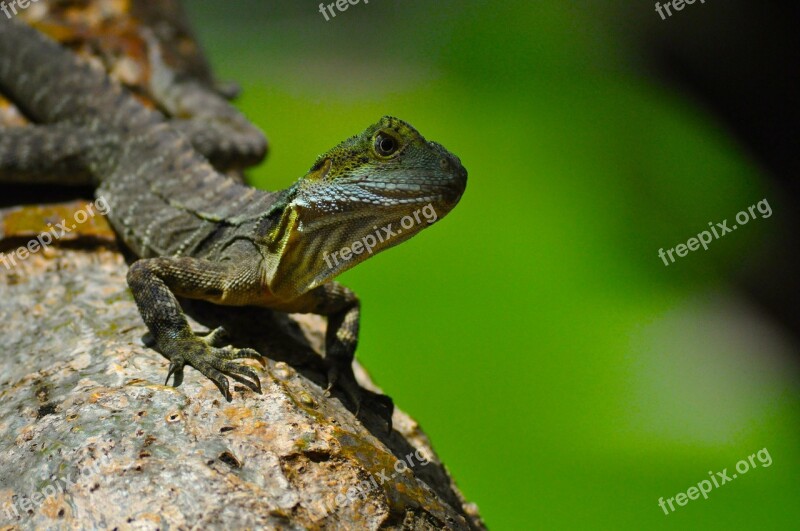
{"points": [[197, 233]]}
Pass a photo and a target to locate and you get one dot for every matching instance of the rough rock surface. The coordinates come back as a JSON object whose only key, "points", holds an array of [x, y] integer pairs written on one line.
{"points": [[91, 439]]}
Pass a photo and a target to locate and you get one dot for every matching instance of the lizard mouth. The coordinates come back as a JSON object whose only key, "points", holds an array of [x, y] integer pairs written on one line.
{"points": [[445, 185], [456, 180]]}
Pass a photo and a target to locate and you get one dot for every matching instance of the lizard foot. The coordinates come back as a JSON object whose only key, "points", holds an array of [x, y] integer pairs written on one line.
{"points": [[214, 362], [341, 376]]}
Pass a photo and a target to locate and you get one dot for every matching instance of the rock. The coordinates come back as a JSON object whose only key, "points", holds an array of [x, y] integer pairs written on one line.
{"points": [[91, 439]]}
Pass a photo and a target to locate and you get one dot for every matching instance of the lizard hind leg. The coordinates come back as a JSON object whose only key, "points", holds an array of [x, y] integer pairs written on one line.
{"points": [[214, 127], [343, 310]]}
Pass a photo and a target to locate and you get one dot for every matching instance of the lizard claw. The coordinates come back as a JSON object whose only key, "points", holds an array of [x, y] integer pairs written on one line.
{"points": [[222, 384], [385, 407], [246, 353], [175, 367], [215, 362], [342, 377]]}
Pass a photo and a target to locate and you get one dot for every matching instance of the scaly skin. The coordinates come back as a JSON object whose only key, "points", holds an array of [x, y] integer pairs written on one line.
{"points": [[175, 77], [202, 235]]}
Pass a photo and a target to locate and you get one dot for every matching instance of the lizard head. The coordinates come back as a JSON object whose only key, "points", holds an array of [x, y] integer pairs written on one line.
{"points": [[369, 193]]}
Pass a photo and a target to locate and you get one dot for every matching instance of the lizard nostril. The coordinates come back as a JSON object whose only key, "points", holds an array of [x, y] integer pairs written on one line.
{"points": [[444, 164]]}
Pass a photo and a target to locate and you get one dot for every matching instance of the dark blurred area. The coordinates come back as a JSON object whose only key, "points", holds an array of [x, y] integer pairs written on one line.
{"points": [[741, 60]]}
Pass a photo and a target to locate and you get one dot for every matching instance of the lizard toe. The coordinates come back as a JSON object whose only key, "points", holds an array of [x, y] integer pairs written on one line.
{"points": [[230, 353], [216, 337], [241, 373], [217, 377], [176, 365], [216, 365]]}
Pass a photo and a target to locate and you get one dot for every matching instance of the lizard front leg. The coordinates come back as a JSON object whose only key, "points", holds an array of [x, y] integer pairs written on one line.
{"points": [[155, 282], [343, 309]]}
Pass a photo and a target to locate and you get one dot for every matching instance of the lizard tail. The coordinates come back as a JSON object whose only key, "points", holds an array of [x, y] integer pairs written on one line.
{"points": [[50, 84]]}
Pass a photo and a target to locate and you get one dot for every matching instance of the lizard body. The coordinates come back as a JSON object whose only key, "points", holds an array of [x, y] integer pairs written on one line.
{"points": [[200, 234]]}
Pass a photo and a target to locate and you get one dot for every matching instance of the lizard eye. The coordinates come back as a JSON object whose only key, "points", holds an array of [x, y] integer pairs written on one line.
{"points": [[385, 145]]}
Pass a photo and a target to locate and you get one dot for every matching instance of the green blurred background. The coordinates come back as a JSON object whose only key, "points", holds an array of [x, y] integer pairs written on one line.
{"points": [[566, 377]]}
